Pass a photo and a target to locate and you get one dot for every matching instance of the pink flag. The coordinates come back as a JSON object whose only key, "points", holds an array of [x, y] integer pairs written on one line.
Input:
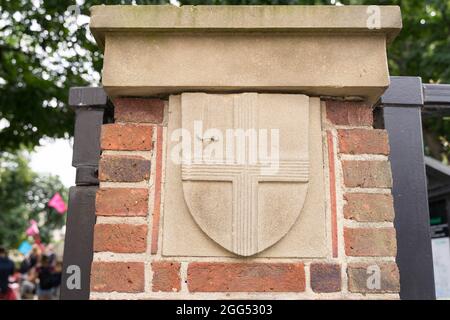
{"points": [[57, 202], [33, 229]]}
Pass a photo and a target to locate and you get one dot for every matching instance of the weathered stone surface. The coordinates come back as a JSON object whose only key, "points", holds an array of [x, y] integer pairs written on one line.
{"points": [[325, 277], [360, 277], [370, 242], [306, 238], [166, 276], [241, 18], [183, 57], [120, 238], [367, 174], [369, 207], [139, 110], [363, 141], [126, 137], [349, 113], [117, 276], [121, 202], [246, 277], [123, 168], [252, 226]]}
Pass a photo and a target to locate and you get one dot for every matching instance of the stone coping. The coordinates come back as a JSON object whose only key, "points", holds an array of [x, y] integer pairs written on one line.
{"points": [[284, 18]]}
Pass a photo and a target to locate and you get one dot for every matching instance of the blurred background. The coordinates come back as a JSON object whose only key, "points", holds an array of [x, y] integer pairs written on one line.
{"points": [[46, 48]]}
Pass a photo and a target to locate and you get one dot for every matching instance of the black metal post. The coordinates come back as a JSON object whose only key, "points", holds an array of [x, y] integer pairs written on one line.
{"points": [[402, 104], [90, 105]]}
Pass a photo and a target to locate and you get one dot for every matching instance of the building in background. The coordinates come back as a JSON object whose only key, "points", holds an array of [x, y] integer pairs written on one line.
{"points": [[438, 176]]}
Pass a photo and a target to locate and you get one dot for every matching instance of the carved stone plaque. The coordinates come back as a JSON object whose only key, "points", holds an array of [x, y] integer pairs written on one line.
{"points": [[239, 174]]}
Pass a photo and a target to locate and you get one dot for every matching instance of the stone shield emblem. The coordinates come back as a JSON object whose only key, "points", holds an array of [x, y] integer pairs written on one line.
{"points": [[245, 168]]}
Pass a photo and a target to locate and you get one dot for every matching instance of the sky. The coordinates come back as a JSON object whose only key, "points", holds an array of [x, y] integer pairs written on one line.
{"points": [[55, 156]]}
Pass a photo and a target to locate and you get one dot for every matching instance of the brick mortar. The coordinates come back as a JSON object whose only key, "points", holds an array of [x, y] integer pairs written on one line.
{"points": [[121, 220], [308, 289], [367, 190], [374, 225], [240, 296], [144, 124], [363, 157], [144, 154], [184, 277], [370, 259], [106, 256], [162, 191], [107, 184], [151, 198], [340, 211], [349, 127], [327, 186]]}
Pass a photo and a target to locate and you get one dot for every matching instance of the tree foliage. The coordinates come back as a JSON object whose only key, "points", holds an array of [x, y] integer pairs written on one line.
{"points": [[43, 53], [24, 195]]}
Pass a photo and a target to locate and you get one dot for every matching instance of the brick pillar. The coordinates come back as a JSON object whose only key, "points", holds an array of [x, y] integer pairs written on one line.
{"points": [[364, 206], [127, 203], [128, 260]]}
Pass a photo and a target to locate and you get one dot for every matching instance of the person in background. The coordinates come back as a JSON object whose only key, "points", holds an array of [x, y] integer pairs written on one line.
{"points": [[44, 273], [56, 279], [6, 270], [27, 269], [50, 253], [27, 285], [31, 259]]}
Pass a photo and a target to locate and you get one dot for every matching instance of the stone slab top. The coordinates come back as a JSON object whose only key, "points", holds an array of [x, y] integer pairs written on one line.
{"points": [[283, 18]]}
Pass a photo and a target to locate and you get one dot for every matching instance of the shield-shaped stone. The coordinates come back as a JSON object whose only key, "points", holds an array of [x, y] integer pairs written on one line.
{"points": [[245, 177]]}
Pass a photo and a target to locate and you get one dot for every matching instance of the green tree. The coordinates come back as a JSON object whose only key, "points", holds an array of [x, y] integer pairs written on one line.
{"points": [[24, 195], [15, 180], [43, 53]]}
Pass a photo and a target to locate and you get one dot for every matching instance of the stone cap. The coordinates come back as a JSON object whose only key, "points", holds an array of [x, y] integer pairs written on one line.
{"points": [[158, 50], [284, 18]]}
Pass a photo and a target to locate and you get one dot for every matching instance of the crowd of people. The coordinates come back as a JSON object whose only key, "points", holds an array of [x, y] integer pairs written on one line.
{"points": [[38, 275]]}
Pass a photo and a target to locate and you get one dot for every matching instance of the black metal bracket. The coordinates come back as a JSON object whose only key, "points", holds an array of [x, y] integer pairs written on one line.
{"points": [[436, 99], [92, 109]]}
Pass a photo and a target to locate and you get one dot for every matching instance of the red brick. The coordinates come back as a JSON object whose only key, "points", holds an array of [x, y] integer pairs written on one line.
{"points": [[332, 177], [139, 110], [370, 242], [367, 174], [117, 276], [369, 207], [349, 113], [123, 168], [246, 277], [361, 277], [122, 202], [126, 137], [363, 141], [120, 238], [157, 202], [166, 276], [325, 277]]}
